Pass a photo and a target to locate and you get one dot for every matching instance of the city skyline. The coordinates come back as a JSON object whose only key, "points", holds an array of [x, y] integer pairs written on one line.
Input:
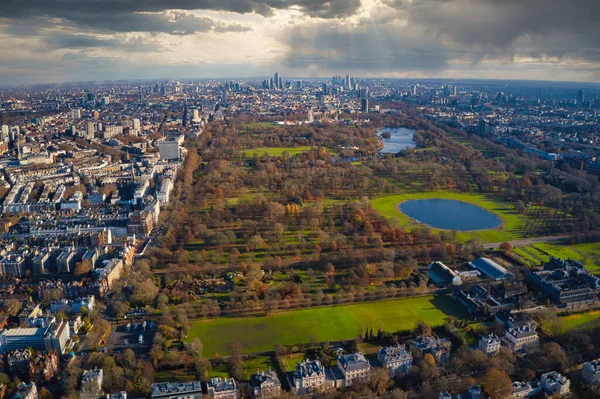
{"points": [[68, 41]]}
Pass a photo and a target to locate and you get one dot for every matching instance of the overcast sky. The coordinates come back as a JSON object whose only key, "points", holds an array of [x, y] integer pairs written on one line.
{"points": [[73, 40]]}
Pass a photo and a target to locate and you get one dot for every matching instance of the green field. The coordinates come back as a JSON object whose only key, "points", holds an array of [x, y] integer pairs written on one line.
{"points": [[512, 223], [259, 334], [278, 151], [581, 319]]}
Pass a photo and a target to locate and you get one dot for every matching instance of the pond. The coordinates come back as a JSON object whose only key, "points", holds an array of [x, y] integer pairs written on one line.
{"points": [[450, 214], [400, 139]]}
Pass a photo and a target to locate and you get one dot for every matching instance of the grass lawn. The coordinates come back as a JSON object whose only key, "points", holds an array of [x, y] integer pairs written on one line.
{"points": [[278, 151], [290, 361], [510, 230], [260, 334], [261, 363], [581, 319]]}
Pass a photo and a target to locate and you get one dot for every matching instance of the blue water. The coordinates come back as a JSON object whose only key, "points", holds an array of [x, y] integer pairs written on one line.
{"points": [[401, 138], [450, 214]]}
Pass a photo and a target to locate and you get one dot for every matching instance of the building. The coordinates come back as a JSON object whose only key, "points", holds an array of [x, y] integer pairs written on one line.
{"points": [[41, 262], [111, 271], [491, 269], [438, 348], [397, 359], [176, 390], [48, 338], [265, 385], [525, 389], [520, 337], [91, 384], [164, 190], [566, 282], [364, 105], [222, 388], [309, 377], [442, 275], [590, 372], [169, 150], [26, 391], [555, 383], [489, 344], [354, 367]]}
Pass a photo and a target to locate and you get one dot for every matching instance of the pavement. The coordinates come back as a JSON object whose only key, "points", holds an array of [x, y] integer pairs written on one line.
{"points": [[525, 242]]}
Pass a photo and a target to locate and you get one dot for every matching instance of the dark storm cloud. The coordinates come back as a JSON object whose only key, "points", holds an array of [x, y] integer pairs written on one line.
{"points": [[429, 35], [145, 15], [502, 23]]}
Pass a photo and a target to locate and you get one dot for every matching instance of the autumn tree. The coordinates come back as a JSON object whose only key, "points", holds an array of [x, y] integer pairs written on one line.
{"points": [[497, 384]]}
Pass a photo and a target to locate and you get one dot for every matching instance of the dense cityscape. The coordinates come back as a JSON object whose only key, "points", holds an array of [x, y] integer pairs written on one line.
{"points": [[289, 237]]}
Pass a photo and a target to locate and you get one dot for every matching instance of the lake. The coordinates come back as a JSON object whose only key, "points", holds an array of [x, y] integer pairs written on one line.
{"points": [[450, 214], [401, 138]]}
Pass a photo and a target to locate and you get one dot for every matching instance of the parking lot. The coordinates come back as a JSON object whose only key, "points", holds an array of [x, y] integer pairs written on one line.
{"points": [[121, 338]]}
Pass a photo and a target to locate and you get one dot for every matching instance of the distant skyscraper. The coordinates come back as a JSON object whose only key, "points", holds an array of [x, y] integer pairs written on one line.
{"points": [[90, 129], [276, 80], [364, 105], [325, 89], [299, 84], [413, 90], [581, 97], [481, 127], [347, 83]]}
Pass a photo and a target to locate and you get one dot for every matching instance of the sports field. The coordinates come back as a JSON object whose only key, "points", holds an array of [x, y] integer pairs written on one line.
{"points": [[512, 223], [260, 334], [278, 151]]}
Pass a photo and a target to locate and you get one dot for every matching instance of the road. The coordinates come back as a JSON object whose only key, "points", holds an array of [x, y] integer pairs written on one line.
{"points": [[528, 241]]}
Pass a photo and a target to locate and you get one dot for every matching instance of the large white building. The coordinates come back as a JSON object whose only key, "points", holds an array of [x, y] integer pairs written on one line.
{"points": [[309, 377], [519, 338], [555, 383], [397, 359], [354, 367], [489, 344]]}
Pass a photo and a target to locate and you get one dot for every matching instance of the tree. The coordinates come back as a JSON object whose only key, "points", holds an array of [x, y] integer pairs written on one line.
{"points": [[497, 384], [235, 361], [379, 380], [82, 267], [506, 247]]}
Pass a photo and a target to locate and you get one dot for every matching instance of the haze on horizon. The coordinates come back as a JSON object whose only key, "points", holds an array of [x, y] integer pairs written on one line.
{"points": [[79, 40]]}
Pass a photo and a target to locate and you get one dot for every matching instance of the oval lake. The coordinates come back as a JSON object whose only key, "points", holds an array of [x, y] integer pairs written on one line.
{"points": [[450, 214]]}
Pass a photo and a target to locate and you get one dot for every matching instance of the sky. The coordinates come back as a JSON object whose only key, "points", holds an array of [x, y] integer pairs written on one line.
{"points": [[48, 41]]}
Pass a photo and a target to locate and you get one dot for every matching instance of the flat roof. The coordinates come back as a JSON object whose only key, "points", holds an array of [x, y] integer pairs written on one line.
{"points": [[490, 268], [23, 332]]}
